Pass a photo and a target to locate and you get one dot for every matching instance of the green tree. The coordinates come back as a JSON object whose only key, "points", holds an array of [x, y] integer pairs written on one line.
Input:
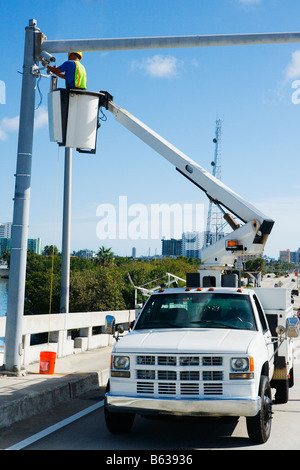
{"points": [[39, 282], [96, 290], [6, 257], [50, 250], [105, 257], [152, 271], [96, 286], [255, 265]]}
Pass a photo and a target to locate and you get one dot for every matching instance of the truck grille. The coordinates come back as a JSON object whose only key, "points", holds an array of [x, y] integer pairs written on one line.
{"points": [[174, 375]]}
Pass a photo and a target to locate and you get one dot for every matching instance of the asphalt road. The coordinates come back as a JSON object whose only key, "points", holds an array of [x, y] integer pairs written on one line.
{"points": [[289, 282], [89, 432]]}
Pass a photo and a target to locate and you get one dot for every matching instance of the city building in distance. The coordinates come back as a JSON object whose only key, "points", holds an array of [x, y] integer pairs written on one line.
{"points": [[189, 245], [33, 244]]}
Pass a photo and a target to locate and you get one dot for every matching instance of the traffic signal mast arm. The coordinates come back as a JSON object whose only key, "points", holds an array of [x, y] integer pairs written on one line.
{"points": [[249, 238]]}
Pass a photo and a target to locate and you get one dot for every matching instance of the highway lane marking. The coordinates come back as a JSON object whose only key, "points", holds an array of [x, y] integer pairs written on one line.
{"points": [[55, 427]]}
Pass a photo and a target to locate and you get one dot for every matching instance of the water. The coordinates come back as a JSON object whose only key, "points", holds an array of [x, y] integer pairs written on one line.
{"points": [[3, 296], [3, 303]]}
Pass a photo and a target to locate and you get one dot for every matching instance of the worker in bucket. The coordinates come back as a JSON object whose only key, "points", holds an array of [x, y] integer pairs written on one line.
{"points": [[72, 71]]}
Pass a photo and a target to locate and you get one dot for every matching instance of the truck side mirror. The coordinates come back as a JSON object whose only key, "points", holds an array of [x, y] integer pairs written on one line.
{"points": [[110, 325], [292, 327], [280, 330]]}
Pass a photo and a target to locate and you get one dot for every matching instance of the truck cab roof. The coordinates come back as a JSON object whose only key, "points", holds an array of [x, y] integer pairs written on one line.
{"points": [[199, 290]]}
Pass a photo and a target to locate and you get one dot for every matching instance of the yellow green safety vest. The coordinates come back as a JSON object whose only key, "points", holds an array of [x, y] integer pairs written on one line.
{"points": [[80, 75]]}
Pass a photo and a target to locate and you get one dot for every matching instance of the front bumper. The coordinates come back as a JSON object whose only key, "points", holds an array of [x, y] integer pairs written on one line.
{"points": [[207, 407]]}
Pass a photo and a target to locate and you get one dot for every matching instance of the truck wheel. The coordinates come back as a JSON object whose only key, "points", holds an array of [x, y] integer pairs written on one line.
{"points": [[291, 378], [259, 426], [118, 423], [282, 391]]}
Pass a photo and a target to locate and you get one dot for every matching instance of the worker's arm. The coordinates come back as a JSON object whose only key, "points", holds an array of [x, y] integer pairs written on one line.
{"points": [[56, 71]]}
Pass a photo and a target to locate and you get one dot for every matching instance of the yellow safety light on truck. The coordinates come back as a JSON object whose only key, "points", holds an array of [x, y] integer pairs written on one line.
{"points": [[232, 245]]}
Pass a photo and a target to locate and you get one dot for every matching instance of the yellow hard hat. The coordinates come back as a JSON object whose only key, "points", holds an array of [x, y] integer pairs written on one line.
{"points": [[77, 53]]}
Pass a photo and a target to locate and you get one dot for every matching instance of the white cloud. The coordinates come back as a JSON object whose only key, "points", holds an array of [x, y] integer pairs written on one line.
{"points": [[8, 125], [41, 118], [293, 69], [2, 134], [159, 66]]}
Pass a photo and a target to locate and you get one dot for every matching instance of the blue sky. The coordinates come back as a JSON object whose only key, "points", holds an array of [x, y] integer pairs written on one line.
{"points": [[179, 93]]}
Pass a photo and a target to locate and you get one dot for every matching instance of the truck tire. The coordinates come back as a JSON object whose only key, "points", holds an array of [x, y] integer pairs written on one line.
{"points": [[259, 426], [118, 423], [291, 378]]}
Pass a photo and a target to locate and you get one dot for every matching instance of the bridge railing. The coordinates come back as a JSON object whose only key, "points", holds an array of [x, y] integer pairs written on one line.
{"points": [[66, 333]]}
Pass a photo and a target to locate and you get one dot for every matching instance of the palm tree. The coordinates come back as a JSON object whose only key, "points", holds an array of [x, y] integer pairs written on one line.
{"points": [[105, 257], [50, 250]]}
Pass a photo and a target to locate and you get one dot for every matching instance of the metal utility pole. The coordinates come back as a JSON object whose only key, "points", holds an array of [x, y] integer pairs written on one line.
{"points": [[17, 272], [66, 234], [121, 44]]}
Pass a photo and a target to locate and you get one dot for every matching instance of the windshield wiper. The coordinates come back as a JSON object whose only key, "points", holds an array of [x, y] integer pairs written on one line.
{"points": [[225, 325], [156, 326]]}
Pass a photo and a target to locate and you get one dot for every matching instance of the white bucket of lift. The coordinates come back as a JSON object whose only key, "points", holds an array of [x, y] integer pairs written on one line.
{"points": [[73, 118]]}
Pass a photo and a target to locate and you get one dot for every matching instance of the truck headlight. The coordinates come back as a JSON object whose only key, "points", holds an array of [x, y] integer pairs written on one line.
{"points": [[242, 367], [121, 362], [239, 364]]}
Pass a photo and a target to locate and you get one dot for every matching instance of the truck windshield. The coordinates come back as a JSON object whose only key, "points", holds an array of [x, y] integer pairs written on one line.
{"points": [[205, 310]]}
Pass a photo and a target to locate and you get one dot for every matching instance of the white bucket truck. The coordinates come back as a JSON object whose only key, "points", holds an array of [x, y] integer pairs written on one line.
{"points": [[211, 348], [203, 352]]}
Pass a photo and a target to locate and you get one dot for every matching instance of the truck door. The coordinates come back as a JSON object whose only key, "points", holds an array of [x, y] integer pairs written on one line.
{"points": [[266, 333]]}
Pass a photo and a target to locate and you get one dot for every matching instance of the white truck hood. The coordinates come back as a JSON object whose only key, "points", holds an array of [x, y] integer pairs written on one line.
{"points": [[204, 340]]}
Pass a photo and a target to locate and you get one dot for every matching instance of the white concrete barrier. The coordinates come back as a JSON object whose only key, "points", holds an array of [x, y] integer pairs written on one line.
{"points": [[89, 335]]}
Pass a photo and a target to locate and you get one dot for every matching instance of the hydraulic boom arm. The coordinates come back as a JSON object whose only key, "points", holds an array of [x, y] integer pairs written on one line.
{"points": [[249, 238]]}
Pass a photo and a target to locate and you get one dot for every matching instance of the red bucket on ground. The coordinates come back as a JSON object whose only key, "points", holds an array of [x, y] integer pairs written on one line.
{"points": [[47, 362]]}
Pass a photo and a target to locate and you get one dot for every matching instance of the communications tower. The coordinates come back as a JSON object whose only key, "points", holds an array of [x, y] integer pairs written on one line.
{"points": [[214, 227]]}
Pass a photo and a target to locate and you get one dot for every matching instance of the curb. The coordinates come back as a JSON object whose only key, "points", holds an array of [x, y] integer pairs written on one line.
{"points": [[44, 396]]}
